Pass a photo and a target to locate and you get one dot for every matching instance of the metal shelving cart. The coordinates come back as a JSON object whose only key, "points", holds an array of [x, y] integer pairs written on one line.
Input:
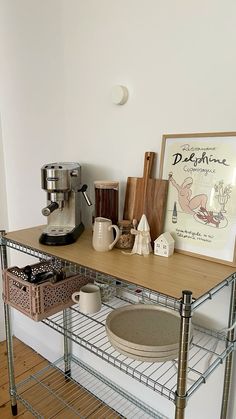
{"points": [[149, 280]]}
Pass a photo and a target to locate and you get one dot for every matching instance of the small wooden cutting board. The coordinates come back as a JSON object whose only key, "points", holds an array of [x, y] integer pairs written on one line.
{"points": [[136, 188], [147, 196], [155, 207]]}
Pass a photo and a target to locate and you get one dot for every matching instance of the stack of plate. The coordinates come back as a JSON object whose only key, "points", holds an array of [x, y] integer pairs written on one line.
{"points": [[144, 332]]}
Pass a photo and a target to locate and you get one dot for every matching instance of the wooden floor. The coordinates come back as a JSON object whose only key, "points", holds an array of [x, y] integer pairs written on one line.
{"points": [[28, 362]]}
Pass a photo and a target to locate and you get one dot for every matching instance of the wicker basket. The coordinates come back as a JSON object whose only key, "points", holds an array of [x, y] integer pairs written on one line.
{"points": [[42, 300]]}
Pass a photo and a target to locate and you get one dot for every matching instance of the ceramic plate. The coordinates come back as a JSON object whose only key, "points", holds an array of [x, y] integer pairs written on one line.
{"points": [[149, 358], [138, 352], [144, 327]]}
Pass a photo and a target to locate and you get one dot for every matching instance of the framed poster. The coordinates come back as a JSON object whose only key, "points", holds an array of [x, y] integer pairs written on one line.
{"points": [[201, 202]]}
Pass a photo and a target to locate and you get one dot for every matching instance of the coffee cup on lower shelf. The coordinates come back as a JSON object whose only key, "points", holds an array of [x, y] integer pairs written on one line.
{"points": [[88, 298]]}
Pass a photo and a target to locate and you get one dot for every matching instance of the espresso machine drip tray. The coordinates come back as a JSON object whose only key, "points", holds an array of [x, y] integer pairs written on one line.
{"points": [[58, 236], [58, 230]]}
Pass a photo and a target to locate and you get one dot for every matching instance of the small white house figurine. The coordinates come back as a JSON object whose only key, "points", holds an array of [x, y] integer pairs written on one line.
{"points": [[164, 245], [142, 242]]}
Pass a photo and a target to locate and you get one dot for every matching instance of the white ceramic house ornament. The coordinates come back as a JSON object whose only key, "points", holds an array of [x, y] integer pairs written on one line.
{"points": [[164, 245], [142, 242]]}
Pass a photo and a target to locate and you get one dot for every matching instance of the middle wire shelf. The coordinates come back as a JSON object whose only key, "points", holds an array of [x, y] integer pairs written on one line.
{"points": [[208, 350]]}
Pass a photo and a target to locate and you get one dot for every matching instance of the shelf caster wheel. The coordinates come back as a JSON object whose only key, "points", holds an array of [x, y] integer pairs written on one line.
{"points": [[14, 410], [67, 374]]}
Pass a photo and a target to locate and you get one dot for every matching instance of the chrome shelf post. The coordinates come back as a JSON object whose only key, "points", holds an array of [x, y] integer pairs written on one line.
{"points": [[181, 391], [67, 343], [7, 315], [229, 360]]}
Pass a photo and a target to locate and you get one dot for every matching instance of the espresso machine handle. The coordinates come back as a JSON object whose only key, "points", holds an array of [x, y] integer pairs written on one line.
{"points": [[50, 208], [83, 189]]}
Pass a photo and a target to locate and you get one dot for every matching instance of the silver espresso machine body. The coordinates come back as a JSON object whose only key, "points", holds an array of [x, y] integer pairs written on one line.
{"points": [[62, 183]]}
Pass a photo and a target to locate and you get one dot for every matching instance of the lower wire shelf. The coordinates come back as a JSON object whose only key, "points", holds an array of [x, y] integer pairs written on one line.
{"points": [[51, 394], [208, 350]]}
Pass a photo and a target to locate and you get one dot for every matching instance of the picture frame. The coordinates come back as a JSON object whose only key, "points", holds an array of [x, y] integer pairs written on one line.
{"points": [[201, 202]]}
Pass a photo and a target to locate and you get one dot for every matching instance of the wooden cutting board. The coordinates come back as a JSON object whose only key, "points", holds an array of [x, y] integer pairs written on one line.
{"points": [[155, 205], [136, 190], [146, 196]]}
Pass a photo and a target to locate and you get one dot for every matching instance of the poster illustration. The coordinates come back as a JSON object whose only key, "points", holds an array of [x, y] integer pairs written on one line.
{"points": [[201, 204]]}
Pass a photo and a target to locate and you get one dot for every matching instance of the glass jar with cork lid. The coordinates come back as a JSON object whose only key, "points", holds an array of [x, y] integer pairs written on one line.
{"points": [[107, 199], [126, 239]]}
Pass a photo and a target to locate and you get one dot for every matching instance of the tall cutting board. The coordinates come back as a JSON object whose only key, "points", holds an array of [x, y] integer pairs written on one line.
{"points": [[146, 195]]}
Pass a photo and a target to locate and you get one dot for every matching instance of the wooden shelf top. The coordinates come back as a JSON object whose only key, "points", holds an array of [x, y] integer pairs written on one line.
{"points": [[169, 276]]}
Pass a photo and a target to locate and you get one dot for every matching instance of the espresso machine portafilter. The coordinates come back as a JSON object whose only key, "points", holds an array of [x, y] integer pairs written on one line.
{"points": [[62, 182]]}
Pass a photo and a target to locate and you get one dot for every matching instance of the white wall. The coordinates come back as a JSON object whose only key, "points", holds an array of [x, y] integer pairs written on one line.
{"points": [[32, 101], [59, 61]]}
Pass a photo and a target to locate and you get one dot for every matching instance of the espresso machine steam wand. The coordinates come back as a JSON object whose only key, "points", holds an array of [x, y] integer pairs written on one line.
{"points": [[62, 182]]}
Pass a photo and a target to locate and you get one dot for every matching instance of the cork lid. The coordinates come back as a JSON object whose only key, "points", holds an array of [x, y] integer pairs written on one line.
{"points": [[125, 223], [106, 184]]}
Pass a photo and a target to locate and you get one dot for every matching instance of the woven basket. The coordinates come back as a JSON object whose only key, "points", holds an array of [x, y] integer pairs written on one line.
{"points": [[42, 300]]}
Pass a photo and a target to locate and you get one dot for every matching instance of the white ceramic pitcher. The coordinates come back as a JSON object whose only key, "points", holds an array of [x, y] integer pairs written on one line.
{"points": [[103, 239]]}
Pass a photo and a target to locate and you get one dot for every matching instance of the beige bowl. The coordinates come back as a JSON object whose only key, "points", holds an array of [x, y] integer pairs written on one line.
{"points": [[138, 352], [144, 358], [147, 328]]}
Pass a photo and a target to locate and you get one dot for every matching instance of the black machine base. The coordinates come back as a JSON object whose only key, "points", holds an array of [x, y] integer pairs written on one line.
{"points": [[68, 238]]}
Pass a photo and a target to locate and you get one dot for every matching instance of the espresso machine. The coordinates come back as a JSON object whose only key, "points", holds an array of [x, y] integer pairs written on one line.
{"points": [[62, 182]]}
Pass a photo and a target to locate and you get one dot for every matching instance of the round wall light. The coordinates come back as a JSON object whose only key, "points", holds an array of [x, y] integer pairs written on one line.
{"points": [[120, 95]]}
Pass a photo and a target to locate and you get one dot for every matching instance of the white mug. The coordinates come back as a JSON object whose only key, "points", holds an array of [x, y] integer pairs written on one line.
{"points": [[103, 239], [89, 299]]}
